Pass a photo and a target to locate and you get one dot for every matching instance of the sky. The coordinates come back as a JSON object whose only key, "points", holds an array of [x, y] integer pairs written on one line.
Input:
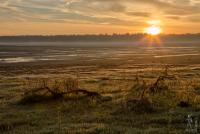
{"points": [[52, 17]]}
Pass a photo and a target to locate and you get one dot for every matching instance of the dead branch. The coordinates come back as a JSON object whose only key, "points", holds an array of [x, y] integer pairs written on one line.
{"points": [[59, 90], [60, 94], [83, 91]]}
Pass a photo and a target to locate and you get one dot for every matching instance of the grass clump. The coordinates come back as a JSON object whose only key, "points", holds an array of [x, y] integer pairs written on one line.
{"points": [[142, 105]]}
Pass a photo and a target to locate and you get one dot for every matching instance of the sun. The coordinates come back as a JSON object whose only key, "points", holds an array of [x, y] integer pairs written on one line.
{"points": [[154, 27], [153, 30]]}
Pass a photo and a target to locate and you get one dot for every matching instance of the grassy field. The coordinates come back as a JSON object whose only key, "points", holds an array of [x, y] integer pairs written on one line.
{"points": [[125, 95]]}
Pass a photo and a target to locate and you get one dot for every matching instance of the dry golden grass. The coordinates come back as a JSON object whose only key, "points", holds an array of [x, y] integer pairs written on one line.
{"points": [[133, 102]]}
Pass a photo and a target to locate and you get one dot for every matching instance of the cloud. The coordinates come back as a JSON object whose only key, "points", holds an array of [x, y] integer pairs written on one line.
{"points": [[173, 17], [194, 18], [139, 14], [113, 12], [95, 6]]}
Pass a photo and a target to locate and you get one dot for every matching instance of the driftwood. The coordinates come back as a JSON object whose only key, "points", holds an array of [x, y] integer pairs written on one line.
{"points": [[155, 87], [60, 94], [58, 90], [83, 91], [47, 94]]}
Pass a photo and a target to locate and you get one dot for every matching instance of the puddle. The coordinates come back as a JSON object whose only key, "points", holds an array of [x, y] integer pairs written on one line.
{"points": [[17, 60]]}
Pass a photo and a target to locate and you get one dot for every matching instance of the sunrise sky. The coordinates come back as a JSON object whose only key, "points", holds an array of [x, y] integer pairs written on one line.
{"points": [[47, 17]]}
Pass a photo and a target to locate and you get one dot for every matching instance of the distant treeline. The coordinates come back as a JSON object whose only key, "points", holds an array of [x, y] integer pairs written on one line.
{"points": [[100, 38]]}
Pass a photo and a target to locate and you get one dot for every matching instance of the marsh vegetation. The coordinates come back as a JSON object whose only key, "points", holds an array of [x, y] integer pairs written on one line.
{"points": [[129, 94]]}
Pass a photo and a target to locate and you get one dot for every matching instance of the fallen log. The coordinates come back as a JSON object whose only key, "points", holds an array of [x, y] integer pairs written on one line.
{"points": [[83, 91], [41, 94]]}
